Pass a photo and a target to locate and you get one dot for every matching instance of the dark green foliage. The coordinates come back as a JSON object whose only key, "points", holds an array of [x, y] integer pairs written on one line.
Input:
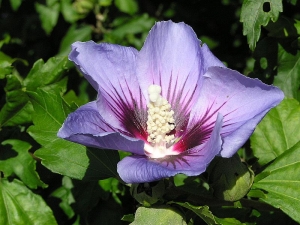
{"points": [[47, 180]]}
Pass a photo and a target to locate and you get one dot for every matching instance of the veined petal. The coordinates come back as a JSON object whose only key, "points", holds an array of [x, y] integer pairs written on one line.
{"points": [[111, 69], [241, 100], [86, 126], [139, 169], [173, 58], [209, 59]]}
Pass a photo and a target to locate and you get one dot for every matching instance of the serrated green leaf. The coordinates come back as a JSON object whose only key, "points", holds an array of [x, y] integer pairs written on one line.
{"points": [[277, 132], [72, 35], [47, 75], [253, 17], [48, 14], [61, 156], [19, 206], [281, 182], [17, 110], [288, 73], [202, 211], [127, 6], [160, 215], [22, 165]]}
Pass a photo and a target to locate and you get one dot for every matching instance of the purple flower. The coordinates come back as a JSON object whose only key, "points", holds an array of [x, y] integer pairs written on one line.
{"points": [[173, 104]]}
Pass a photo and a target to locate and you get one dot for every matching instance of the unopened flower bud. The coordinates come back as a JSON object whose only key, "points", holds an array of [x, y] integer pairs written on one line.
{"points": [[148, 193], [229, 178]]}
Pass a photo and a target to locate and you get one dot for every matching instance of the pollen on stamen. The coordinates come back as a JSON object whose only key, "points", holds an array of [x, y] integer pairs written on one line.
{"points": [[159, 124]]}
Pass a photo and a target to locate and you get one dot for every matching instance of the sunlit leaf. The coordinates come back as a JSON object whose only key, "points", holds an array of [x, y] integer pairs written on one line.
{"points": [[19, 206], [277, 132], [22, 165], [104, 2], [281, 181], [160, 215], [68, 11], [288, 73], [48, 76], [127, 6], [125, 30], [5, 65], [257, 13], [229, 221], [48, 14]]}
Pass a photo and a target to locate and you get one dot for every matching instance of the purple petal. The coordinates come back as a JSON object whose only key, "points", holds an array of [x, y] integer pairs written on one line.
{"points": [[242, 101], [140, 169], [111, 69], [173, 58], [86, 126]]}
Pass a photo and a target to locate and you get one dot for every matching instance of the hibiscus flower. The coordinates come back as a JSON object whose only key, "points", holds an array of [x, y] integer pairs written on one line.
{"points": [[172, 104]]}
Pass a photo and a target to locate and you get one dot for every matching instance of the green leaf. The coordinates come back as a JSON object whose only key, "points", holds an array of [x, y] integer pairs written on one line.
{"points": [[15, 4], [134, 25], [228, 221], [19, 206], [17, 110], [65, 194], [72, 35], [160, 215], [5, 65], [61, 156], [128, 218], [201, 211], [125, 30], [288, 73], [127, 6], [48, 14], [206, 215], [253, 17], [22, 165], [6, 39], [104, 2], [68, 11], [277, 132], [281, 182], [47, 75]]}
